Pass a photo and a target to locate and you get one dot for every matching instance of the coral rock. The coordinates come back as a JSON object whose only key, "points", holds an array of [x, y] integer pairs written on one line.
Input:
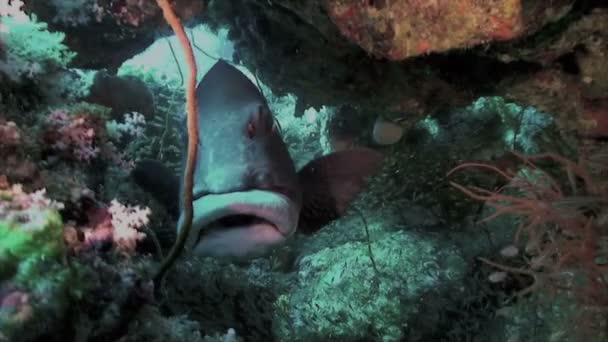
{"points": [[400, 29]]}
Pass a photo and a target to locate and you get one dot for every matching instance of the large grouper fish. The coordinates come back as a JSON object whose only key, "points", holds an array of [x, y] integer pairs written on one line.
{"points": [[248, 197]]}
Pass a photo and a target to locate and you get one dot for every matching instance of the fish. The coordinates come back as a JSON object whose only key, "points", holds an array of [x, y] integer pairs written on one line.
{"points": [[248, 197]]}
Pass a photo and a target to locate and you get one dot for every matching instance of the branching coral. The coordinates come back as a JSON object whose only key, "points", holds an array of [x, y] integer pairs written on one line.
{"points": [[561, 227], [31, 50], [116, 225], [126, 221], [162, 137], [133, 126], [79, 133], [77, 136]]}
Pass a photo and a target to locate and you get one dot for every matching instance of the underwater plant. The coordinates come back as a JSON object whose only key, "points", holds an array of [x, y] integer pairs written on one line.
{"points": [[560, 245]]}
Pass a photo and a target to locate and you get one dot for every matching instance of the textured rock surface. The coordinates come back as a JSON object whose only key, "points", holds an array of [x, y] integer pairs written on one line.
{"points": [[402, 29], [340, 294], [294, 50], [105, 33], [407, 56]]}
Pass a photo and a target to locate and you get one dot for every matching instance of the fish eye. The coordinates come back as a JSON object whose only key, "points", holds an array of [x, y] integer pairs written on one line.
{"points": [[250, 130]]}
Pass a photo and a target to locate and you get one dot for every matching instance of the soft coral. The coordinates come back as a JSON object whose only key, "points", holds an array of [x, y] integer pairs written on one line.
{"points": [[116, 226], [560, 237], [79, 136]]}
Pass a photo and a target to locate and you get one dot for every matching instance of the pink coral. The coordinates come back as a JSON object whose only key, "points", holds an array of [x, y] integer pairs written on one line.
{"points": [[18, 304], [81, 138], [126, 222], [21, 200], [85, 136], [9, 134], [75, 135], [27, 209], [58, 118], [117, 224]]}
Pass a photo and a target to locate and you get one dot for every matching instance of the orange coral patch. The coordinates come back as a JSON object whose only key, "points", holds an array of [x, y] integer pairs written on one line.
{"points": [[423, 46], [501, 29]]}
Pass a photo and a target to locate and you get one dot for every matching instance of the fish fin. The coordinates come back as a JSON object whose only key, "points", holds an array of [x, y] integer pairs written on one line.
{"points": [[160, 182], [330, 183]]}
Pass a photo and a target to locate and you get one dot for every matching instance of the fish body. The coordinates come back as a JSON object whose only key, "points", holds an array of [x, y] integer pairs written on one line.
{"points": [[248, 196]]}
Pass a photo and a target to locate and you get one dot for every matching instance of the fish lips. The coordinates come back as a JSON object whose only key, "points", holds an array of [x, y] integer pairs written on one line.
{"points": [[272, 219]]}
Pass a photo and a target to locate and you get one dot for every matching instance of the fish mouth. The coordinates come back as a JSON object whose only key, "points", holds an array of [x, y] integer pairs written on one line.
{"points": [[241, 224]]}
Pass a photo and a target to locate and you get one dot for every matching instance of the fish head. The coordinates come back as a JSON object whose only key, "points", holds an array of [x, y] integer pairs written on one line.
{"points": [[247, 196], [246, 192]]}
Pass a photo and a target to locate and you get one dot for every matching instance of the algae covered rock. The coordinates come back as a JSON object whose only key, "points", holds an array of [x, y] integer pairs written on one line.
{"points": [[341, 295], [34, 283]]}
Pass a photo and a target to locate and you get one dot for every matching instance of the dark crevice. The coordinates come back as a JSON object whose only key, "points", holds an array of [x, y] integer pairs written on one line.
{"points": [[569, 62], [474, 71]]}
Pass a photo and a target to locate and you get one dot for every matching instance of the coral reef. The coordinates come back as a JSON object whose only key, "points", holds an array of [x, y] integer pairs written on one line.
{"points": [[21, 61], [33, 283], [307, 49], [337, 73], [413, 260], [105, 33], [48, 268]]}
